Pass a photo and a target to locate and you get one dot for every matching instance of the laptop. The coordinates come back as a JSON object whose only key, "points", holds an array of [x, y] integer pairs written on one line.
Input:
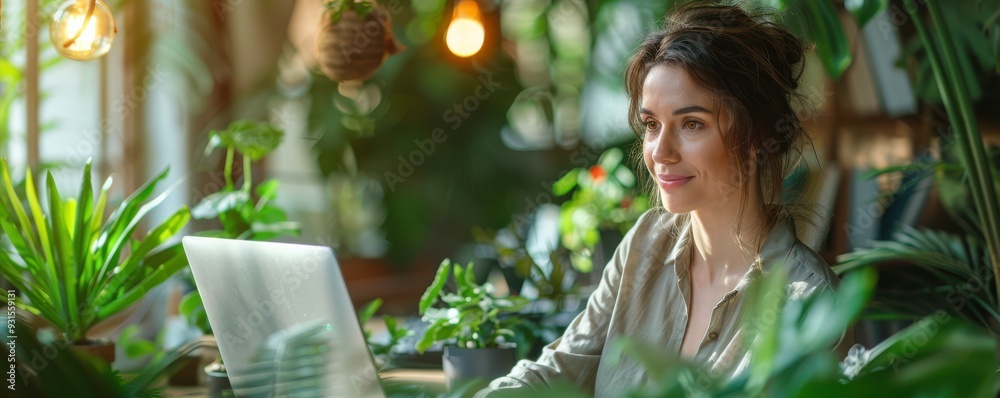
{"points": [[252, 290]]}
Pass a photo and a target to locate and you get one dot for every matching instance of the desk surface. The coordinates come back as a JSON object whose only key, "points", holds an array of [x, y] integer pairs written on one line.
{"points": [[433, 379]]}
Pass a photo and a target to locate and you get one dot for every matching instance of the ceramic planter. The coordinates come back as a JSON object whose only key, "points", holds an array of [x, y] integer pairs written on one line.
{"points": [[218, 381], [463, 365]]}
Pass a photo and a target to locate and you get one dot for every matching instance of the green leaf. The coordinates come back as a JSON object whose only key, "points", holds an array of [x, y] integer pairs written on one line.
{"points": [[462, 275], [192, 310], [163, 232], [611, 159], [395, 331], [136, 293], [118, 229], [655, 360], [368, 311], [865, 10], [135, 347], [252, 139], [566, 183], [268, 190], [428, 339], [432, 292], [930, 357], [832, 46], [8, 72], [166, 364], [220, 202], [765, 295], [511, 304], [62, 244]]}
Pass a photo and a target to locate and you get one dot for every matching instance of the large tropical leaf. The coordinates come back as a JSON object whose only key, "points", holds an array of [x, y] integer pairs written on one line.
{"points": [[932, 270], [865, 10], [818, 22], [938, 356], [976, 57]]}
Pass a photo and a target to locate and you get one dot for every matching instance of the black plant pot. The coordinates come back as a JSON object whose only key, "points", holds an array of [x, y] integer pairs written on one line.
{"points": [[479, 365], [218, 381]]}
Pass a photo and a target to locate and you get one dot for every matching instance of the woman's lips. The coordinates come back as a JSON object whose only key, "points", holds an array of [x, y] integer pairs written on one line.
{"points": [[670, 181]]}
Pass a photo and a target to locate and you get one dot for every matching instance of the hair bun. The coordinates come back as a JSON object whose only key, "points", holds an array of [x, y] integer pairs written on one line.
{"points": [[791, 52]]}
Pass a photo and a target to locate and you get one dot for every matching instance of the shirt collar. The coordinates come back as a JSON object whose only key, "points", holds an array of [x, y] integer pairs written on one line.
{"points": [[776, 248]]}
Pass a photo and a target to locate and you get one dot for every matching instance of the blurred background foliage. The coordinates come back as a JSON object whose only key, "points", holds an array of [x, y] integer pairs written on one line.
{"points": [[496, 149], [558, 103]]}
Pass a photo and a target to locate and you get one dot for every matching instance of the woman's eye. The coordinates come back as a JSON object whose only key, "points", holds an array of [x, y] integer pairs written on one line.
{"points": [[651, 125], [693, 125]]}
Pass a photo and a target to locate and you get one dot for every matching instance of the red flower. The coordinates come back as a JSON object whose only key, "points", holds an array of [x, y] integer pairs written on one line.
{"points": [[626, 202], [598, 174]]}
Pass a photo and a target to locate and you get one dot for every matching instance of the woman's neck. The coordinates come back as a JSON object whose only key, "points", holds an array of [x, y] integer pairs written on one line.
{"points": [[716, 246]]}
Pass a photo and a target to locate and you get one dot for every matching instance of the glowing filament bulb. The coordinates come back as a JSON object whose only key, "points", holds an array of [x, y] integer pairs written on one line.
{"points": [[465, 35], [82, 29]]}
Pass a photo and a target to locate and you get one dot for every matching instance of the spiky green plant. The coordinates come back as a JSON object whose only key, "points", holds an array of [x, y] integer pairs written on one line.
{"points": [[959, 266], [74, 265]]}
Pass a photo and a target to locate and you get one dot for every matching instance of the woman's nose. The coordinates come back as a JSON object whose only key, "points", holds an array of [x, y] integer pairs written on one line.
{"points": [[665, 147]]}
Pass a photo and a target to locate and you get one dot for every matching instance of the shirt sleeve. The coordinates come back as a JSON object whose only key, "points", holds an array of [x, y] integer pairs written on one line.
{"points": [[575, 356]]}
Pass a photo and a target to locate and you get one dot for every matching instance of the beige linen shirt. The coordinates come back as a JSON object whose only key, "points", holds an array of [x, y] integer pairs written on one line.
{"points": [[644, 295]]}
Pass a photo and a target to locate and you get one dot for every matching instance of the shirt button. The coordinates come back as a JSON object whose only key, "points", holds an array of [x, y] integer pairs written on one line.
{"points": [[713, 335]]}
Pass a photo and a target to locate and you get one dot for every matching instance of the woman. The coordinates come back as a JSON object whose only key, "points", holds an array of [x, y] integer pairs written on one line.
{"points": [[711, 100]]}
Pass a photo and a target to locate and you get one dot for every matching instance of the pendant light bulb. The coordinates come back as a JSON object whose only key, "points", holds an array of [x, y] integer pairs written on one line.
{"points": [[82, 29], [465, 35]]}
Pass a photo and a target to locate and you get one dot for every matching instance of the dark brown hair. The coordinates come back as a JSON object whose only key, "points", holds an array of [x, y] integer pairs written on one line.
{"points": [[752, 67]]}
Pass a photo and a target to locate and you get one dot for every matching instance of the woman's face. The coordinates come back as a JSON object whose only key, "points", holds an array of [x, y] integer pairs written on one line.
{"points": [[682, 144]]}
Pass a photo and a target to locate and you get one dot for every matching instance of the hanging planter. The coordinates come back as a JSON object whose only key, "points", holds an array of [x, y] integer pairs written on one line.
{"points": [[354, 39]]}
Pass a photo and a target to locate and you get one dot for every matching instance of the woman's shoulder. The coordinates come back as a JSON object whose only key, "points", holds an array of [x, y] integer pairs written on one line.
{"points": [[809, 272], [656, 228], [649, 241]]}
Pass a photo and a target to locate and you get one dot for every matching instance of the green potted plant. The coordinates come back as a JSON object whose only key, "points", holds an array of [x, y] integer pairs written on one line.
{"points": [[477, 322], [381, 351], [603, 206], [75, 266], [354, 39], [240, 216]]}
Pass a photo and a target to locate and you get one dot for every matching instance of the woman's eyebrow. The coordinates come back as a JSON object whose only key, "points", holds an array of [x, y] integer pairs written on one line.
{"points": [[687, 109], [691, 109]]}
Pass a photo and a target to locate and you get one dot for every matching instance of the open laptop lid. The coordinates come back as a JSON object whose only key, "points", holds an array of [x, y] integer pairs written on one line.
{"points": [[253, 289]]}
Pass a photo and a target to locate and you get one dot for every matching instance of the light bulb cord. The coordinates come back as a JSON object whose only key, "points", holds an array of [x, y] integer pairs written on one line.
{"points": [[86, 20]]}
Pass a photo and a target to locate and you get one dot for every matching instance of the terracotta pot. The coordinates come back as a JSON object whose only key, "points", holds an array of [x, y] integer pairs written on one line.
{"points": [[354, 48], [476, 365], [103, 349]]}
